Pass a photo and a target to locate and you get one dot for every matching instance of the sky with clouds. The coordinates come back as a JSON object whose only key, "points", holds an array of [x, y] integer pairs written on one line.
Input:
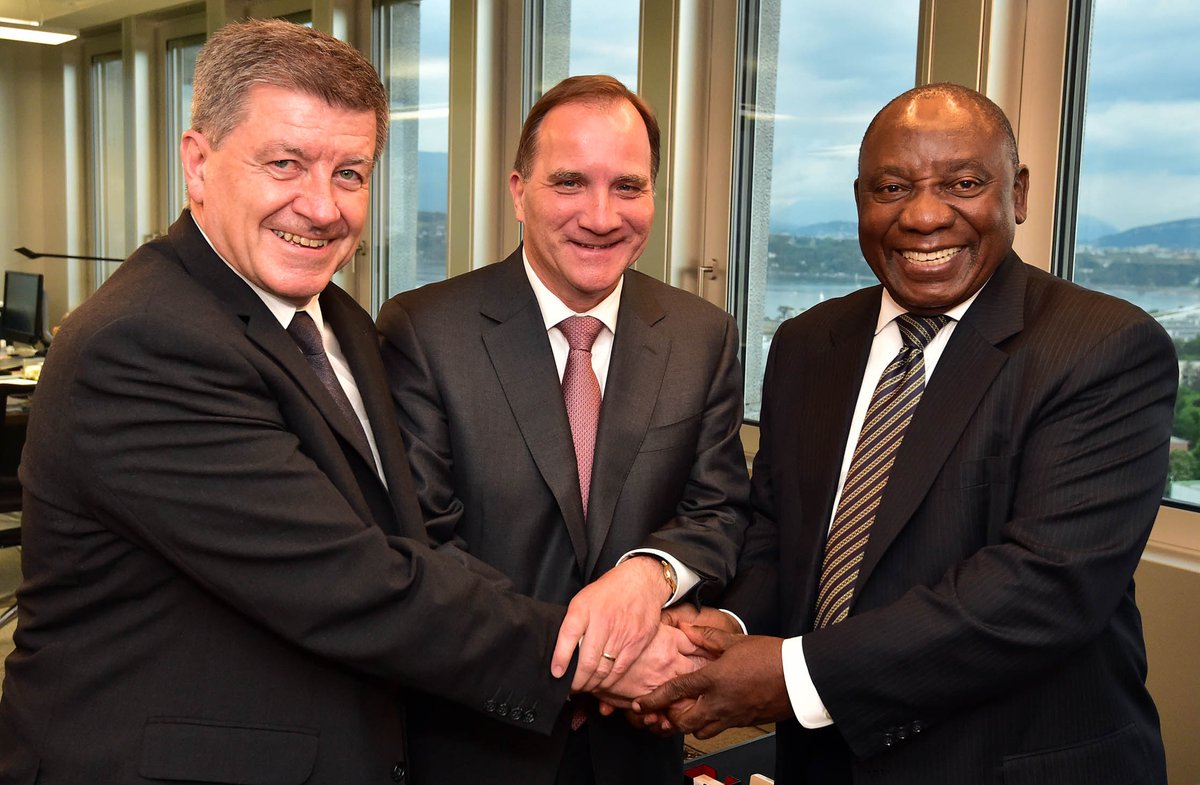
{"points": [[1141, 157], [840, 62]]}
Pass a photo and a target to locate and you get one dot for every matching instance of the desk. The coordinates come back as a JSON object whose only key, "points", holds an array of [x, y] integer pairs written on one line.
{"points": [[15, 391]]}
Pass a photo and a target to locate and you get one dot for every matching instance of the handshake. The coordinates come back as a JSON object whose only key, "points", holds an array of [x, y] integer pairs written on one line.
{"points": [[656, 665]]}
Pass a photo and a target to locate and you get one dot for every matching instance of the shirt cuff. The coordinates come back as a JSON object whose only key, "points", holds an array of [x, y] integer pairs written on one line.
{"points": [[686, 578], [802, 693]]}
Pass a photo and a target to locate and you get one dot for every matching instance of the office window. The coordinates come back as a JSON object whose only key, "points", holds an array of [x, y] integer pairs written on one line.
{"points": [[302, 18], [180, 65], [1136, 222], [805, 105], [573, 37], [412, 51], [108, 207]]}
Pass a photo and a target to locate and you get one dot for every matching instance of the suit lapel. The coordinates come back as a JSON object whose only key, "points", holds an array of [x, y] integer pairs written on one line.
{"points": [[203, 264], [520, 353], [360, 345], [964, 374], [264, 331], [635, 374]]}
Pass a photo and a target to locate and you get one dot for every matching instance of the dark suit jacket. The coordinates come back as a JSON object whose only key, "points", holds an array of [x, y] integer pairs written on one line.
{"points": [[482, 412], [993, 636], [218, 587]]}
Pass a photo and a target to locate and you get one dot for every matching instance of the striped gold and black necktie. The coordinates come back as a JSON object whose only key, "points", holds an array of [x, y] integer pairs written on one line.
{"points": [[891, 408]]}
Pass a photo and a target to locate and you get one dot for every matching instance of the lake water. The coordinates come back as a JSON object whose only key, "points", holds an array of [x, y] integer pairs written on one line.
{"points": [[799, 296]]}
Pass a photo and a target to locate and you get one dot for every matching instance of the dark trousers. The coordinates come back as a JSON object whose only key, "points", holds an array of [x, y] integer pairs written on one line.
{"points": [[576, 765]]}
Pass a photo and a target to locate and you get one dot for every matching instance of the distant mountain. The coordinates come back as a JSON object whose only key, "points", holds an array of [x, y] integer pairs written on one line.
{"points": [[1174, 235], [826, 230], [1088, 229]]}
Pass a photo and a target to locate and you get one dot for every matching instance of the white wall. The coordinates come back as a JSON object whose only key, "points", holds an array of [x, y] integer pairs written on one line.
{"points": [[1167, 596], [37, 162]]}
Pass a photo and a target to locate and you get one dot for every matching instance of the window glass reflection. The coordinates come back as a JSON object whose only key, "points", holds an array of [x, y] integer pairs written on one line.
{"points": [[814, 76], [1137, 230], [410, 184]]}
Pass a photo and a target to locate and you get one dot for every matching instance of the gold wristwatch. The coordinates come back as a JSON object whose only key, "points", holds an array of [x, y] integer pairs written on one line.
{"points": [[669, 575]]}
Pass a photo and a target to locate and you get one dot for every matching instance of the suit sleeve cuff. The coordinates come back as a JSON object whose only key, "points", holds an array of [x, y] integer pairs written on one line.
{"points": [[802, 693], [686, 578]]}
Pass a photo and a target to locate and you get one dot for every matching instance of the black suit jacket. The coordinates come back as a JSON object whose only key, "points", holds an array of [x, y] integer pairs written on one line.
{"points": [[481, 408], [218, 586], [994, 635]]}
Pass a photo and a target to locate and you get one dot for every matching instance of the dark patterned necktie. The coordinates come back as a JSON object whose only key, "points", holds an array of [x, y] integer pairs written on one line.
{"points": [[306, 335], [891, 408], [581, 394]]}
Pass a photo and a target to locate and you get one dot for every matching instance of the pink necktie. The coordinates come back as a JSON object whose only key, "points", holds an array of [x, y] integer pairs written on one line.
{"points": [[581, 393]]}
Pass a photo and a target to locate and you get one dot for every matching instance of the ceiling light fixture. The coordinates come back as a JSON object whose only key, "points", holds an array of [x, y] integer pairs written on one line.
{"points": [[34, 32]]}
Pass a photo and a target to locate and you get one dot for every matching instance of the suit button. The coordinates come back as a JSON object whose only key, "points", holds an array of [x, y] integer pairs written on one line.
{"points": [[916, 726], [398, 773], [530, 716], [888, 739], [502, 709], [902, 733], [489, 706]]}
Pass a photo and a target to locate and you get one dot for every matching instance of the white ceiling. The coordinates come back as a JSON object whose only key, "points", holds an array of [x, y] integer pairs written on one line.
{"points": [[79, 14]]}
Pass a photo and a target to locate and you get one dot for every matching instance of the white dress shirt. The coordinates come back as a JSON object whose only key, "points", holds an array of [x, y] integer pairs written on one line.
{"points": [[554, 311], [806, 703]]}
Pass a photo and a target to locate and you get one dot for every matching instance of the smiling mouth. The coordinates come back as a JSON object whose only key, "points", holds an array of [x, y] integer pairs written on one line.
{"points": [[296, 239], [931, 256], [593, 246]]}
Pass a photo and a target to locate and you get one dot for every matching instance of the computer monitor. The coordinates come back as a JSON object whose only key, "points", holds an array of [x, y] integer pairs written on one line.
{"points": [[22, 320]]}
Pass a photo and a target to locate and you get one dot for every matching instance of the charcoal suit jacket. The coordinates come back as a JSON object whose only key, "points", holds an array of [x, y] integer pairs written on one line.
{"points": [[993, 635], [219, 587], [481, 408]]}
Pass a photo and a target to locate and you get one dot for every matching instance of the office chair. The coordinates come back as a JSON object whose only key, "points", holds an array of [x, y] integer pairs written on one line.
{"points": [[10, 538], [10, 491]]}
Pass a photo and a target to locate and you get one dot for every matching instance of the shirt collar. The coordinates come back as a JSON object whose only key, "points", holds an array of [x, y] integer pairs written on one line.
{"points": [[889, 309], [555, 310], [281, 309]]}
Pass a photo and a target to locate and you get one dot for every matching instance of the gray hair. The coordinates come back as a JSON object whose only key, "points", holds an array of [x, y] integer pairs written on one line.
{"points": [[281, 54]]}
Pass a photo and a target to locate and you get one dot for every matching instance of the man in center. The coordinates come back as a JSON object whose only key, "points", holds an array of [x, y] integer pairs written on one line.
{"points": [[573, 427]]}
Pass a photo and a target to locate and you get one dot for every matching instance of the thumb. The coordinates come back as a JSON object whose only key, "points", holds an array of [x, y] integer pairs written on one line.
{"points": [[689, 685], [677, 615], [712, 640]]}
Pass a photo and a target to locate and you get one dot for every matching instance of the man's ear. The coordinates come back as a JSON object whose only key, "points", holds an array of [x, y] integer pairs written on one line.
{"points": [[516, 187], [1021, 193], [194, 152]]}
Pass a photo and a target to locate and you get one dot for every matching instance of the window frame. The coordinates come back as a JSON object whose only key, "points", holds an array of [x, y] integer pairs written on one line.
{"points": [[103, 46], [1175, 538], [170, 31]]}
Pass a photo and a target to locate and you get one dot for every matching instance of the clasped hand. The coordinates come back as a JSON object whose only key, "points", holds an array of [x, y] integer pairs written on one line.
{"points": [[624, 650], [628, 646]]}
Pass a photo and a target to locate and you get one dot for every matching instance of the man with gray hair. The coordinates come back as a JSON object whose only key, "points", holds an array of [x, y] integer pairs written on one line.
{"points": [[226, 575]]}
